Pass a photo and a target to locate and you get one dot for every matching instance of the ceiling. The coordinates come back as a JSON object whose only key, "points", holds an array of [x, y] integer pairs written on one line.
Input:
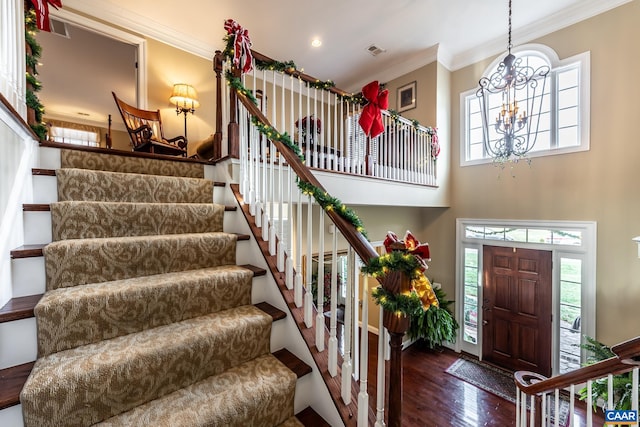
{"points": [[412, 33], [408, 30]]}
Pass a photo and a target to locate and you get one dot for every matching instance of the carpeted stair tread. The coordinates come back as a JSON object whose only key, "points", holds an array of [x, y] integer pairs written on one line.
{"points": [[256, 393], [90, 185], [80, 315], [82, 261], [91, 383], [90, 219], [116, 163]]}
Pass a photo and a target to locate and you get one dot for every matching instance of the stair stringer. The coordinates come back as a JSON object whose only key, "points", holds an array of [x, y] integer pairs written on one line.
{"points": [[312, 389]]}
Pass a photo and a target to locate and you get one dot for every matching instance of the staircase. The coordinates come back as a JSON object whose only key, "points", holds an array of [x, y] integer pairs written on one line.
{"points": [[146, 316]]}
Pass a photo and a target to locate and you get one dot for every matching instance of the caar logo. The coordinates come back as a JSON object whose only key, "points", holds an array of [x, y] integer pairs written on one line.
{"points": [[621, 417]]}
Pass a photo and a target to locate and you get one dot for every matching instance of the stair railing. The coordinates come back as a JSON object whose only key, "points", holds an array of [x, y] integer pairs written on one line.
{"points": [[324, 122], [538, 397], [317, 242]]}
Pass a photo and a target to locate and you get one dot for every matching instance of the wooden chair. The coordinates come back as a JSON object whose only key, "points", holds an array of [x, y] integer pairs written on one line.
{"points": [[145, 131]]}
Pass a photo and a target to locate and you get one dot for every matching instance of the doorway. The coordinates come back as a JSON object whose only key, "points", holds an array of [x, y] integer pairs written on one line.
{"points": [[517, 308]]}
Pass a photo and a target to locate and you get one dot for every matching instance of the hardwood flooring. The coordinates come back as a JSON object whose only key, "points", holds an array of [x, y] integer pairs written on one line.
{"points": [[433, 398]]}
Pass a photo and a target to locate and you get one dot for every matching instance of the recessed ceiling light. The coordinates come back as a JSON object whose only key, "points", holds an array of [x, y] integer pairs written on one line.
{"points": [[316, 42]]}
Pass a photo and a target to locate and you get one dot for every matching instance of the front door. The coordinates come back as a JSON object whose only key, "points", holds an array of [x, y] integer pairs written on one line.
{"points": [[517, 305]]}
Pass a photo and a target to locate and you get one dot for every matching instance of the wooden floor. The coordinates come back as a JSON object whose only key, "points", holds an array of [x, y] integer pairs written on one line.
{"points": [[433, 398]]}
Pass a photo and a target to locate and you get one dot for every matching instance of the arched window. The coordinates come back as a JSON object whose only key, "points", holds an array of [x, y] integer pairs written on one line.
{"points": [[564, 117]]}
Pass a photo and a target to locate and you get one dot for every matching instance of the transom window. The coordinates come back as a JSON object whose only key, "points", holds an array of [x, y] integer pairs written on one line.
{"points": [[564, 117]]}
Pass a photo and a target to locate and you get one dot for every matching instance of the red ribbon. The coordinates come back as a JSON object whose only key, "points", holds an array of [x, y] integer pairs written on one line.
{"points": [[411, 246], [371, 117], [42, 12], [241, 45]]}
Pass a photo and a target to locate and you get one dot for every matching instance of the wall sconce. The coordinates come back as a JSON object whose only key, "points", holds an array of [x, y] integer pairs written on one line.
{"points": [[637, 240], [185, 98]]}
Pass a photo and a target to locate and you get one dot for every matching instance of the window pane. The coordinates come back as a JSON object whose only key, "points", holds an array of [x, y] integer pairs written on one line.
{"points": [[570, 313], [568, 97], [470, 307], [475, 121], [568, 117], [568, 78], [477, 232], [539, 236], [516, 234], [494, 233], [568, 137], [476, 151], [567, 237], [471, 257], [543, 141]]}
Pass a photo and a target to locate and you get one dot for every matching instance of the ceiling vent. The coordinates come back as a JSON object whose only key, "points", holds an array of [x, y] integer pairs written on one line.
{"points": [[59, 28], [375, 50]]}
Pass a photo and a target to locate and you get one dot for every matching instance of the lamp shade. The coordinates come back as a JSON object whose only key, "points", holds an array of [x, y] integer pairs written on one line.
{"points": [[184, 95]]}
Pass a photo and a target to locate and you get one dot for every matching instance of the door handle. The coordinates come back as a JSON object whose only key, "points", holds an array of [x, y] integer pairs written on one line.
{"points": [[485, 322]]}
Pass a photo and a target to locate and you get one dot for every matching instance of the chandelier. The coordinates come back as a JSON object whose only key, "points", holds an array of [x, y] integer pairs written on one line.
{"points": [[513, 94]]}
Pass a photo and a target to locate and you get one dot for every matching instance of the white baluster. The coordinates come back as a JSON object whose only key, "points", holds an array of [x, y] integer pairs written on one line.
{"points": [[308, 298], [572, 395], [333, 323], [610, 391], [543, 412], [346, 359], [556, 408], [363, 396], [517, 406], [589, 405], [297, 288], [320, 284], [634, 389]]}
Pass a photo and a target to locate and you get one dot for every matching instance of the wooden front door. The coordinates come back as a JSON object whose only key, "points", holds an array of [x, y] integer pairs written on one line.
{"points": [[516, 309]]}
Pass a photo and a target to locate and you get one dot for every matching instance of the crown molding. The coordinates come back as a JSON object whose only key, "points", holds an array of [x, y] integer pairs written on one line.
{"points": [[106, 11], [580, 11]]}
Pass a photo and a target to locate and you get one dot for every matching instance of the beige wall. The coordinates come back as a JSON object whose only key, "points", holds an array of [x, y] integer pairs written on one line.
{"points": [[598, 185], [166, 66]]}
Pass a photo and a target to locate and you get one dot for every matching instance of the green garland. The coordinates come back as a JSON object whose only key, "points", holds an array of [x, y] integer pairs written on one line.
{"points": [[394, 261], [31, 61], [330, 203], [409, 305], [395, 117]]}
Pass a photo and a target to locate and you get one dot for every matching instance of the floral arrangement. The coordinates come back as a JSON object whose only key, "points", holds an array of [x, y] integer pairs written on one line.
{"points": [[408, 256], [314, 125]]}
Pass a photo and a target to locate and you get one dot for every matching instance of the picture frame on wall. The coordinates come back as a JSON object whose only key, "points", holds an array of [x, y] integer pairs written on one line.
{"points": [[406, 98]]}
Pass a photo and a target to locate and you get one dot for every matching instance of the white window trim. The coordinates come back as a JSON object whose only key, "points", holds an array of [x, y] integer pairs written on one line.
{"points": [[586, 252], [556, 64]]}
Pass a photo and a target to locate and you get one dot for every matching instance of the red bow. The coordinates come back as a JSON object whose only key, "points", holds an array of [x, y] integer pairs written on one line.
{"points": [[410, 244], [241, 45], [371, 117], [42, 12]]}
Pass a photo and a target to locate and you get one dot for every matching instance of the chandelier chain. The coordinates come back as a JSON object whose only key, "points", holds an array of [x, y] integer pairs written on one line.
{"points": [[509, 45]]}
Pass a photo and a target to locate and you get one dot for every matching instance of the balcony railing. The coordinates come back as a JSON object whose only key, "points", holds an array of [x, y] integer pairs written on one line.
{"points": [[539, 397], [323, 122]]}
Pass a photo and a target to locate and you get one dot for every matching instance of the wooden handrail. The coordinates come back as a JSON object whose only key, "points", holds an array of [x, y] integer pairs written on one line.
{"points": [[627, 357], [360, 244]]}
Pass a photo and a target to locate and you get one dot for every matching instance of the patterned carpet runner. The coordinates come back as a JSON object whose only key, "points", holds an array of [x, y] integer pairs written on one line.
{"points": [[147, 319]]}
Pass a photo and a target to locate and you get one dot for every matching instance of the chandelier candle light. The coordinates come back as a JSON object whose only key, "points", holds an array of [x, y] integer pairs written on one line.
{"points": [[185, 98], [518, 113]]}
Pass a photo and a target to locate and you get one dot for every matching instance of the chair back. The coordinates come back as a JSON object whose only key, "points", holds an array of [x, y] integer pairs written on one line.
{"points": [[135, 119]]}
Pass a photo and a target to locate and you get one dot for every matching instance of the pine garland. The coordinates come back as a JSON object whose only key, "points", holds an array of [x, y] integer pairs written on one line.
{"points": [[31, 61], [330, 203], [409, 305], [394, 261]]}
